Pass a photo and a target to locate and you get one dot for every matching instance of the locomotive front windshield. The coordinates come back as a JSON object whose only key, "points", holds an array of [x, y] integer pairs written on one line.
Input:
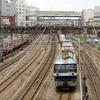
{"points": [[63, 68]]}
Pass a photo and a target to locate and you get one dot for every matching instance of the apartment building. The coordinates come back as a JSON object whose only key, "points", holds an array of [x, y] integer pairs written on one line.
{"points": [[21, 13]]}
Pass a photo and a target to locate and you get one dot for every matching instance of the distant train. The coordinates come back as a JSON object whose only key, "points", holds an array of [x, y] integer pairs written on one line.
{"points": [[17, 41], [65, 66], [62, 37]]}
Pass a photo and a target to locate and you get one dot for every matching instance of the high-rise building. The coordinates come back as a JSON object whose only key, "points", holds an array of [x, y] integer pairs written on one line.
{"points": [[21, 12], [7, 8]]}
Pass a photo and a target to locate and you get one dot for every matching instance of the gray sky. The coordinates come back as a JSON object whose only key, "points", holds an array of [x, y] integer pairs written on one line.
{"points": [[64, 5]]}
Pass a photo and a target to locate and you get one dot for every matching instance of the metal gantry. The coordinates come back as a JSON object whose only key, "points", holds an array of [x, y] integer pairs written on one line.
{"points": [[40, 29]]}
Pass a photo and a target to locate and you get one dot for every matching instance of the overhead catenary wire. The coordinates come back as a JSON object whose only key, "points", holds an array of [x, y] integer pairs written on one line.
{"points": [[2, 80]]}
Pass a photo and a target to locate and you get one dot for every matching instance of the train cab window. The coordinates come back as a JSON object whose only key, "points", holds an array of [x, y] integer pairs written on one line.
{"points": [[65, 68], [70, 66]]}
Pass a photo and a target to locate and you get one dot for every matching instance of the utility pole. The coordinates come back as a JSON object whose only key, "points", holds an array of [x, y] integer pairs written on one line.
{"points": [[84, 77], [11, 41], [1, 42], [22, 34]]}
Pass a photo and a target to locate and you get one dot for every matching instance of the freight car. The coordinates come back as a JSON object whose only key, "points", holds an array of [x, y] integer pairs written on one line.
{"points": [[16, 41]]}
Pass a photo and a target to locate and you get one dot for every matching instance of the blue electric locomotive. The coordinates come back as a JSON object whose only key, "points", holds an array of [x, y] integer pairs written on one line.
{"points": [[65, 69]]}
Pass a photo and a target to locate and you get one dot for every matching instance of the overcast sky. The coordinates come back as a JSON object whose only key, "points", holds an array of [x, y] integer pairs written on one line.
{"points": [[64, 5]]}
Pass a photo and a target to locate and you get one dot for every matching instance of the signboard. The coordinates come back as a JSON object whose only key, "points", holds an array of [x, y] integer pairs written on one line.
{"points": [[5, 21]]}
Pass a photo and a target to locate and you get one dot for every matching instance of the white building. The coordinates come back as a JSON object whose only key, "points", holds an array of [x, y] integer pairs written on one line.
{"points": [[21, 13], [87, 14], [31, 15]]}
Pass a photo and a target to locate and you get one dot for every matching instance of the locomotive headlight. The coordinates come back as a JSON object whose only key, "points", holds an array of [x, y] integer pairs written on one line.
{"points": [[58, 74]]}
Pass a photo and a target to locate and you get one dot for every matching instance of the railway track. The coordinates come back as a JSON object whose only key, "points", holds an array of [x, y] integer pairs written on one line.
{"points": [[19, 72], [2, 67], [6, 65], [35, 86], [65, 95], [12, 61], [97, 53], [60, 95], [90, 66], [94, 75], [94, 51]]}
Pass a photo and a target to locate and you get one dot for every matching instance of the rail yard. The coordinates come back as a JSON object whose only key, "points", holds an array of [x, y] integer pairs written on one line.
{"points": [[27, 66]]}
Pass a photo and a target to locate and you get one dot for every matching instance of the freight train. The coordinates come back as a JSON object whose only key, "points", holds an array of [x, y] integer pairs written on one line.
{"points": [[65, 67], [9, 44]]}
